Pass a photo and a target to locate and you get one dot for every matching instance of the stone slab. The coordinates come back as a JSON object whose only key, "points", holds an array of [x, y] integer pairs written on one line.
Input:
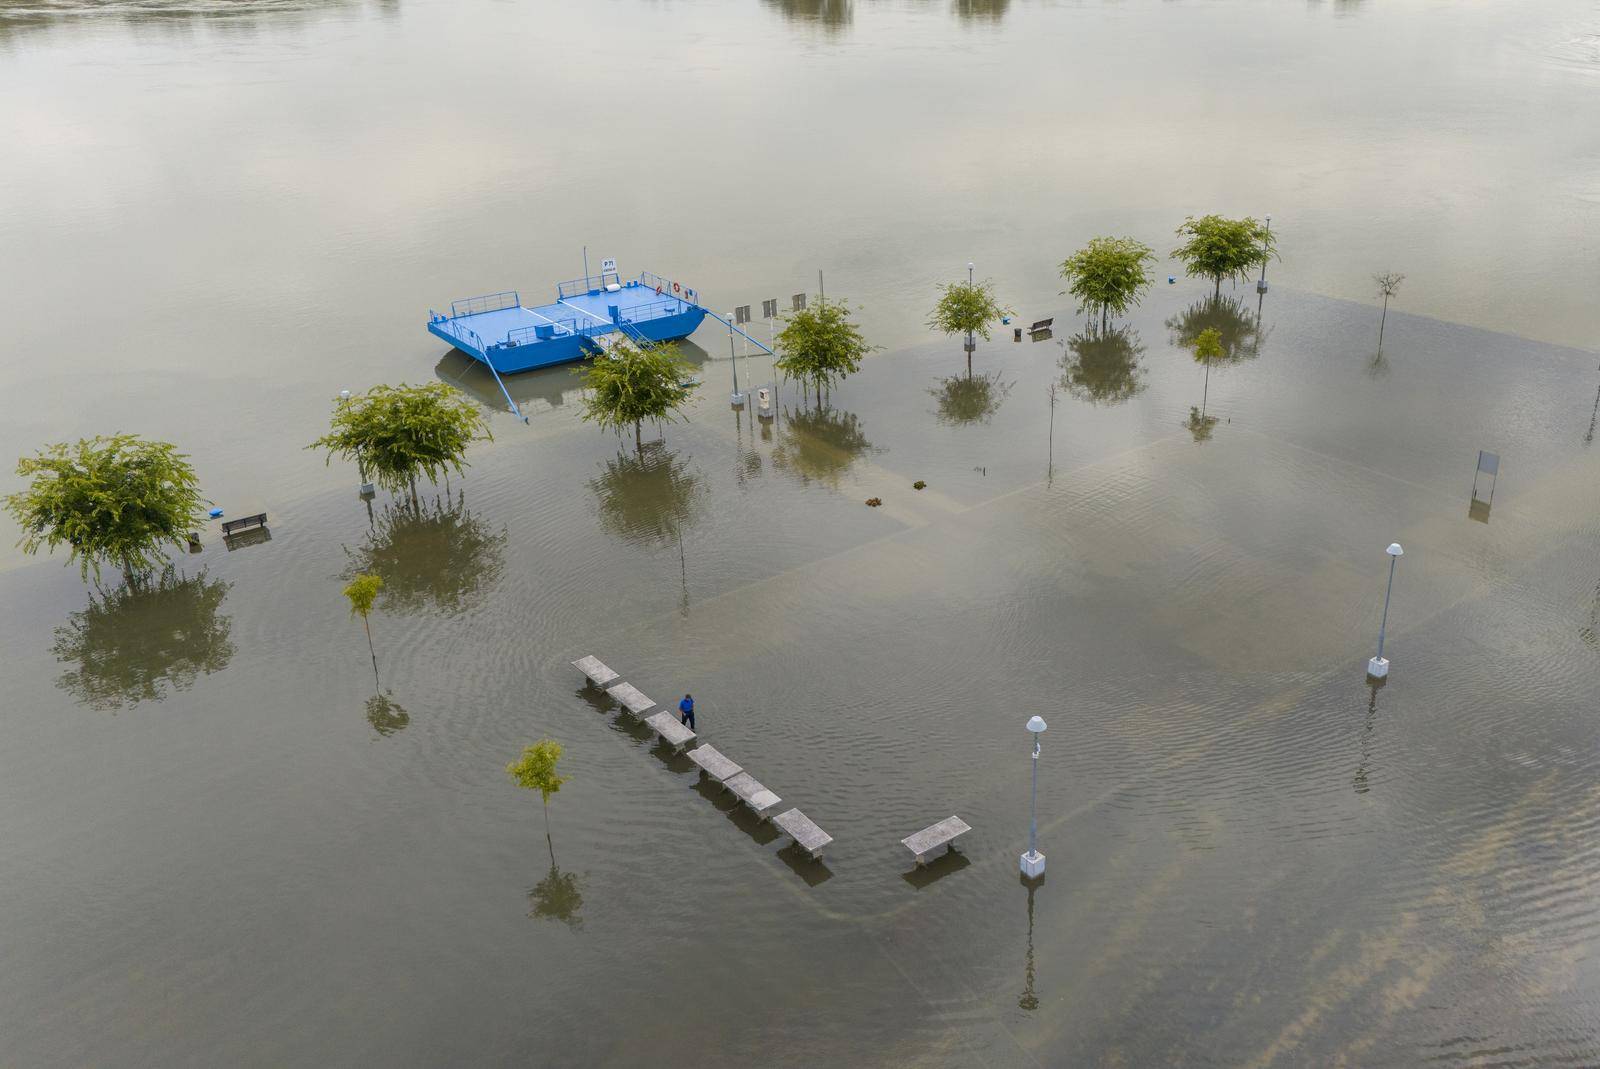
{"points": [[752, 793], [935, 836], [714, 763], [597, 672], [633, 701], [666, 725], [803, 830]]}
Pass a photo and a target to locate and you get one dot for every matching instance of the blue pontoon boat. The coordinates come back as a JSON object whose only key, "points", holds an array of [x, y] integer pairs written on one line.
{"points": [[588, 316]]}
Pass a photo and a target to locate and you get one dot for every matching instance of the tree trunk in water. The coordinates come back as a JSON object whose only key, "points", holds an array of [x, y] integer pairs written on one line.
{"points": [[1205, 394], [638, 436], [547, 829], [415, 504], [372, 650]]}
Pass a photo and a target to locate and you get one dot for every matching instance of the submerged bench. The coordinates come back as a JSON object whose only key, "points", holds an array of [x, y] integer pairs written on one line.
{"points": [[669, 730], [597, 672], [713, 762], [230, 526], [805, 833], [1043, 324], [630, 697], [753, 794], [931, 838]]}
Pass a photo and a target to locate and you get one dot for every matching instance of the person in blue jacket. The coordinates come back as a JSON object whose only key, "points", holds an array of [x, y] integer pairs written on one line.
{"points": [[686, 707]]}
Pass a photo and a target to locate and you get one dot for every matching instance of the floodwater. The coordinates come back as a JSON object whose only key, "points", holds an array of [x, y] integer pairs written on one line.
{"points": [[225, 842]]}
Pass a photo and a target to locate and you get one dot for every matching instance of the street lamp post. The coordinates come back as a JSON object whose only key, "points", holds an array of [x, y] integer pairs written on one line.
{"points": [[1033, 861], [1378, 667], [1261, 286]]}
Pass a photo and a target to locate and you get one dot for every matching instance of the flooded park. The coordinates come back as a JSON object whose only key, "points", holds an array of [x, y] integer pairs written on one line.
{"points": [[234, 834]]}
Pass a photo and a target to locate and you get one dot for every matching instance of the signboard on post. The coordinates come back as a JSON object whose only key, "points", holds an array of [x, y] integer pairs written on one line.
{"points": [[608, 266], [799, 300], [769, 309], [741, 314]]}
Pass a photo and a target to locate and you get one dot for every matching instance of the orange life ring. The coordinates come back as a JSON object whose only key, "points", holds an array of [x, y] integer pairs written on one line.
{"points": [[674, 287], [658, 289]]}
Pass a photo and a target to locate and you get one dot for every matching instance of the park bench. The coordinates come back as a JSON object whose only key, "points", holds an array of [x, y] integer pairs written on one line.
{"points": [[753, 794], [806, 835], [714, 763], [229, 527], [633, 701], [934, 836], [669, 730], [597, 673], [1042, 325]]}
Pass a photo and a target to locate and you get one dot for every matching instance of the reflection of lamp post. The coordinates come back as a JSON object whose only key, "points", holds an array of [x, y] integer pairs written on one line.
{"points": [[1378, 667], [1261, 287], [1029, 1001], [1033, 861]]}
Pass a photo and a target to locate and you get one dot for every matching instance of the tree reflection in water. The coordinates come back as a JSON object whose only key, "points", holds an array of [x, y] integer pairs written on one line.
{"points": [[1230, 317], [831, 15], [1102, 366], [558, 896], [648, 497], [438, 556], [980, 10], [132, 645], [819, 445], [970, 398], [386, 715]]}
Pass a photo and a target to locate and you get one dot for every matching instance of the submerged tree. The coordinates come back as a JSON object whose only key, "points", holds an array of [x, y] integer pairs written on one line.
{"points": [[820, 444], [535, 770], [1388, 286], [970, 399], [362, 591], [137, 643], [1102, 367], [396, 434], [437, 557], [821, 345], [636, 382], [115, 500], [1219, 248], [1207, 351], [1108, 276], [968, 309]]}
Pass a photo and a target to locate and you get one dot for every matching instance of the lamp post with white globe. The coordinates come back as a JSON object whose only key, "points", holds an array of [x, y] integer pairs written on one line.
{"points": [[1033, 861], [1378, 667]]}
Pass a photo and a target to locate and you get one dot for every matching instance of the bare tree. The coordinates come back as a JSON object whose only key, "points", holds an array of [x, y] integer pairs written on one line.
{"points": [[1388, 286]]}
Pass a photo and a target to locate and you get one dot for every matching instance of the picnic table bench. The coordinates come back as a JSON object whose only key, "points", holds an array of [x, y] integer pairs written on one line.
{"points": [[805, 833], [243, 522], [753, 794], [935, 836], [597, 672], [714, 763], [631, 698], [669, 730]]}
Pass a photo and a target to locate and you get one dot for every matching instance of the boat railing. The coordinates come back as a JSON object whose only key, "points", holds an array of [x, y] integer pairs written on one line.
{"points": [[492, 302], [643, 313], [577, 287], [559, 328]]}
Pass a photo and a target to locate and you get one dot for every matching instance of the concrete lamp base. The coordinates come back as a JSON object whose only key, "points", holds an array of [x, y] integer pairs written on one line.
{"points": [[1378, 668], [736, 399], [368, 490], [1033, 865]]}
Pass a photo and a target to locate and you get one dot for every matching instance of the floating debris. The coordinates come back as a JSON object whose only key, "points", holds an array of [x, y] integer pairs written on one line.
{"points": [[919, 485], [874, 502]]}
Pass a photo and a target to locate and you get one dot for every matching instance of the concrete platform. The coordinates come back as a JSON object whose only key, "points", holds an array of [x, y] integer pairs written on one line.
{"points": [[714, 763], [671, 732], [753, 794], [597, 673], [934, 836], [631, 698], [803, 831]]}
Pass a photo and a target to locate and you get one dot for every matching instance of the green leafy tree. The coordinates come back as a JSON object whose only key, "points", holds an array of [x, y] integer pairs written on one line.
{"points": [[634, 383], [362, 592], [1208, 346], [1208, 350], [1219, 248], [967, 308], [397, 434], [821, 345], [1388, 286], [110, 500], [1108, 276], [135, 644], [1102, 367], [535, 770]]}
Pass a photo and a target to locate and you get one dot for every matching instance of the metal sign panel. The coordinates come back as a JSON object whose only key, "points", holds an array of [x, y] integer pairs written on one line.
{"points": [[608, 265], [741, 314], [769, 309], [1489, 463], [799, 300]]}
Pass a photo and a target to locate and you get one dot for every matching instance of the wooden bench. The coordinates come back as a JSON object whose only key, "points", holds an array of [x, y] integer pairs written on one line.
{"points": [[714, 763], [597, 673], [1043, 324], [230, 526], [633, 701], [806, 835], [669, 730], [934, 836], [753, 794]]}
